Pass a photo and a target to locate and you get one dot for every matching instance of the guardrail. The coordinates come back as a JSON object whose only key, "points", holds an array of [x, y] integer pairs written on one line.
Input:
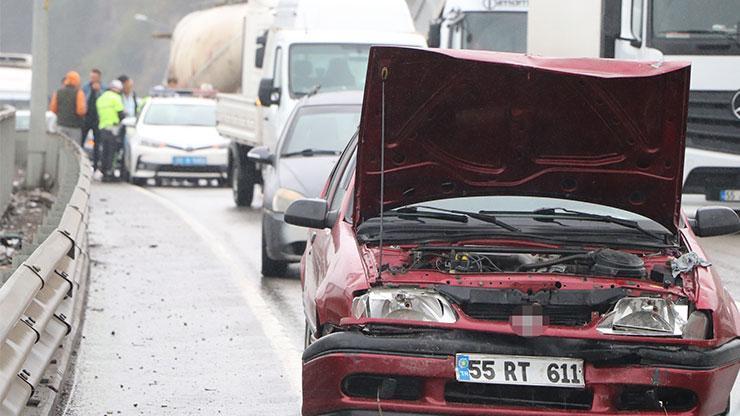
{"points": [[41, 301], [7, 155]]}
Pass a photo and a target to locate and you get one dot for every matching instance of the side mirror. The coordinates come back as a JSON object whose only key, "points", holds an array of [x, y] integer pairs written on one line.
{"points": [[259, 54], [712, 221], [309, 213], [434, 38], [259, 57], [129, 122], [261, 154], [267, 93]]}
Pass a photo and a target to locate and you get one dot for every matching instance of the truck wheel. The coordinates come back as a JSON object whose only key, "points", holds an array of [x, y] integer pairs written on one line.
{"points": [[270, 267], [137, 181], [242, 182]]}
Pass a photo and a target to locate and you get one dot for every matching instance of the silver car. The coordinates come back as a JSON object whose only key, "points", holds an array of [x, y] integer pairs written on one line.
{"points": [[317, 131]]}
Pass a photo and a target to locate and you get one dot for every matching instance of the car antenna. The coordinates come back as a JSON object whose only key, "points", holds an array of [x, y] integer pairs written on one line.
{"points": [[383, 78]]}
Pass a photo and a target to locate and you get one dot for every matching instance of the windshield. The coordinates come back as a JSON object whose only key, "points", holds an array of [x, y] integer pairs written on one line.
{"points": [[329, 67], [495, 31], [691, 18], [321, 128], [181, 115]]}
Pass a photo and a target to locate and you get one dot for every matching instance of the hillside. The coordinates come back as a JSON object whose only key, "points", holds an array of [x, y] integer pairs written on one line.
{"points": [[102, 33]]}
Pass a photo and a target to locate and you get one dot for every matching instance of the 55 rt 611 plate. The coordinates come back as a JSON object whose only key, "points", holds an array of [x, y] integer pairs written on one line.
{"points": [[521, 370]]}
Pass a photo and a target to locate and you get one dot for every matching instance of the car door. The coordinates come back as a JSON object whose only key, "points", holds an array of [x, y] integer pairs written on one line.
{"points": [[320, 247]]}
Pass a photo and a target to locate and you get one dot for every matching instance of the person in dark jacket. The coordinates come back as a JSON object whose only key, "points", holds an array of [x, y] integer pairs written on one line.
{"points": [[68, 103], [92, 90]]}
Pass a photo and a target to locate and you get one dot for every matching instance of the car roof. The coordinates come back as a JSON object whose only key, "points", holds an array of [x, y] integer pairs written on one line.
{"points": [[334, 98], [183, 100]]}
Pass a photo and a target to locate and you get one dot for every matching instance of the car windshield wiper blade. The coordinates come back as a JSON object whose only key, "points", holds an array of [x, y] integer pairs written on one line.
{"points": [[413, 214], [550, 214], [311, 152], [480, 216]]}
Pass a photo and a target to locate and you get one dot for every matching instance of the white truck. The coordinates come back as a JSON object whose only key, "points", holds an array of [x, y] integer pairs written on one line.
{"points": [[15, 80], [293, 48], [704, 33], [497, 25]]}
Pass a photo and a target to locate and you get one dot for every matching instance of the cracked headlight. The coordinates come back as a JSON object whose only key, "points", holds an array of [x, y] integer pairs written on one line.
{"points": [[406, 304], [283, 198], [644, 316]]}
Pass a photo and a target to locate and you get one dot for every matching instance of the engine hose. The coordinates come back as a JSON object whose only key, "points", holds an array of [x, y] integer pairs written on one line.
{"points": [[529, 266]]}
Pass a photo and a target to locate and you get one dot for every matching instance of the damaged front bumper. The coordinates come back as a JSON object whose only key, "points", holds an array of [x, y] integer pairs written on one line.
{"points": [[352, 373]]}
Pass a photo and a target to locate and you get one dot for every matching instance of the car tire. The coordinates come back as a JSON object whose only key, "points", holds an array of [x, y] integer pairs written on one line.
{"points": [[270, 267], [243, 177], [306, 336], [125, 174]]}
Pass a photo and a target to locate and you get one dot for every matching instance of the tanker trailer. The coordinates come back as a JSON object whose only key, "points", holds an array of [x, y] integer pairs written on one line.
{"points": [[207, 48]]}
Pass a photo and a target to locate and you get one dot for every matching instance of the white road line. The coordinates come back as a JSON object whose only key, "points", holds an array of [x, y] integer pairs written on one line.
{"points": [[289, 356]]}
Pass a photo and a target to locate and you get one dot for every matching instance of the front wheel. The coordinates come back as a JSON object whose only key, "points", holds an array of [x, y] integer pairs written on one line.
{"points": [[270, 267], [242, 182]]}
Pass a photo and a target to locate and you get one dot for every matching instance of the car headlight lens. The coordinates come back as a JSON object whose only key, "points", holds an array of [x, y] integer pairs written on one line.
{"points": [[283, 198], [645, 316], [150, 143], [402, 303]]}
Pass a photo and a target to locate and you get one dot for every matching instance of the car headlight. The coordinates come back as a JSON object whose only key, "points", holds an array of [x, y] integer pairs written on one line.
{"points": [[150, 143], [404, 303], [222, 145], [283, 198], [645, 316]]}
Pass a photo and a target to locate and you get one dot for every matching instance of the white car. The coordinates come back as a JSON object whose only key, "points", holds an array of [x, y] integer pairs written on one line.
{"points": [[175, 138]]}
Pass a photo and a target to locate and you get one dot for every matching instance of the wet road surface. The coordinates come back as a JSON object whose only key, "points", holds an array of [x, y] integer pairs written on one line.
{"points": [[179, 320]]}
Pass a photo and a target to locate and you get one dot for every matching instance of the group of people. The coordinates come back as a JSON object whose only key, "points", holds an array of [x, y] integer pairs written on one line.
{"points": [[82, 109]]}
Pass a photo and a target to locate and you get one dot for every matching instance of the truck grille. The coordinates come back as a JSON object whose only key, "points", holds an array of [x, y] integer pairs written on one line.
{"points": [[711, 122], [519, 396]]}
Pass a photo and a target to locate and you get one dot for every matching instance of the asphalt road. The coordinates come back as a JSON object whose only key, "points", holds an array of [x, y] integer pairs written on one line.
{"points": [[179, 320]]}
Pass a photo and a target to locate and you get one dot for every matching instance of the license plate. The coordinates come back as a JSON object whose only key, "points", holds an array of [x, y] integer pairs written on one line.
{"points": [[519, 370], [188, 160], [729, 195]]}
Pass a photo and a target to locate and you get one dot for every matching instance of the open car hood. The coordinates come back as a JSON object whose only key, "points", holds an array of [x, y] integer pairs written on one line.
{"points": [[464, 123]]}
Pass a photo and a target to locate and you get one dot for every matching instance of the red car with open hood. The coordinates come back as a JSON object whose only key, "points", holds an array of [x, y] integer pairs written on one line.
{"points": [[503, 236]]}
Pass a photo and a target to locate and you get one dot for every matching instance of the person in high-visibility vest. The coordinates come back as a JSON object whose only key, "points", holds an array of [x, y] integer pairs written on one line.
{"points": [[110, 114]]}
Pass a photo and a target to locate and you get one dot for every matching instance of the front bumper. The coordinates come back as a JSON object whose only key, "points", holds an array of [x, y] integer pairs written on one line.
{"points": [[285, 242], [616, 375], [157, 162]]}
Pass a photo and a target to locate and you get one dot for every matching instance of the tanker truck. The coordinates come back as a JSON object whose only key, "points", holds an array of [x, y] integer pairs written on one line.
{"points": [[265, 55]]}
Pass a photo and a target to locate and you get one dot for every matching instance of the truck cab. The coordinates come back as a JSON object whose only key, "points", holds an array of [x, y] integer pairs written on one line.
{"points": [[496, 25], [657, 31], [310, 46]]}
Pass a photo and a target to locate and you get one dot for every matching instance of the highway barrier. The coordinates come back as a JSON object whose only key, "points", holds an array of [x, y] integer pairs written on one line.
{"points": [[42, 297]]}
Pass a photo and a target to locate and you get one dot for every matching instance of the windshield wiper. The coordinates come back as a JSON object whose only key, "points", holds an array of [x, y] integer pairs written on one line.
{"points": [[311, 152], [413, 214], [552, 214], [480, 216]]}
